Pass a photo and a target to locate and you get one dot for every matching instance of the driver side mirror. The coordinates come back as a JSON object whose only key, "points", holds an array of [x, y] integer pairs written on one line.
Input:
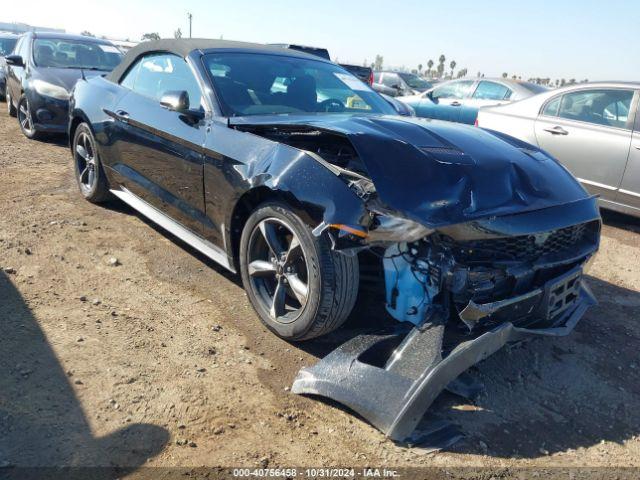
{"points": [[176, 101], [14, 60]]}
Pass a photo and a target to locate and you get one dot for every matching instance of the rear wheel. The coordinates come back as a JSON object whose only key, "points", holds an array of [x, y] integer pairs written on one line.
{"points": [[88, 169], [299, 287], [26, 120], [11, 110]]}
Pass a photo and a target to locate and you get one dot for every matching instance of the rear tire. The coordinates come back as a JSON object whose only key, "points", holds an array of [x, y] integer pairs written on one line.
{"points": [[88, 170], [11, 110], [320, 285]]}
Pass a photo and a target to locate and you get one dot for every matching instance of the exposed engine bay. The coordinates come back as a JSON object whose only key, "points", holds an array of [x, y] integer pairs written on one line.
{"points": [[475, 280]]}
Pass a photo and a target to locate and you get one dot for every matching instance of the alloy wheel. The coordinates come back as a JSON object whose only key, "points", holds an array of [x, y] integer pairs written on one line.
{"points": [[278, 269], [85, 157], [24, 117]]}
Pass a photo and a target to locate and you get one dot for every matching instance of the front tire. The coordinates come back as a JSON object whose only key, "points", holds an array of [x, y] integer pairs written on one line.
{"points": [[25, 119], [299, 287], [87, 166]]}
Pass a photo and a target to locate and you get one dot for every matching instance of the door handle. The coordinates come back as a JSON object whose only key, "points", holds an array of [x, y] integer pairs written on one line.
{"points": [[122, 116], [455, 104], [556, 131]]}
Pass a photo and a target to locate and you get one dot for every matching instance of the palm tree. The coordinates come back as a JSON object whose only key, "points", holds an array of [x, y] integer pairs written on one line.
{"points": [[429, 66], [420, 68], [441, 61], [379, 62], [505, 75], [452, 65], [151, 36]]}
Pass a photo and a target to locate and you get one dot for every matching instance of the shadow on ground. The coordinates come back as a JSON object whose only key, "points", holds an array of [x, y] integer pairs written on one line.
{"points": [[620, 220], [42, 423]]}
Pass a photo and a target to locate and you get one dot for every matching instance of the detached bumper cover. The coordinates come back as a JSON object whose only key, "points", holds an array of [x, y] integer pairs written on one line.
{"points": [[395, 397]]}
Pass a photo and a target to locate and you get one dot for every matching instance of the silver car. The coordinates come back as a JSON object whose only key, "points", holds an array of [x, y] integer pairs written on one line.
{"points": [[591, 128]]}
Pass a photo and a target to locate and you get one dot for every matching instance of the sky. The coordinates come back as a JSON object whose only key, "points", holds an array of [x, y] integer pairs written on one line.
{"points": [[593, 39]]}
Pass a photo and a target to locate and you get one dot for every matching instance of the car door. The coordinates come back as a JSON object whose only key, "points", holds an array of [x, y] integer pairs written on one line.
{"points": [[589, 131], [159, 151], [487, 93], [629, 193], [444, 102]]}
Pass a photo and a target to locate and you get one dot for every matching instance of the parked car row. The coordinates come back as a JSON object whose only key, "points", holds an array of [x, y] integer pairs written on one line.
{"points": [[460, 100], [287, 169]]}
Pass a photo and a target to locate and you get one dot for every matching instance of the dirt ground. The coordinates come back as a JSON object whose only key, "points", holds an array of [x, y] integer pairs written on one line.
{"points": [[159, 360]]}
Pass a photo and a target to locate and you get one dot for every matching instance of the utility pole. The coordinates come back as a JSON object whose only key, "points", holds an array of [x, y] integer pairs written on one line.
{"points": [[190, 17]]}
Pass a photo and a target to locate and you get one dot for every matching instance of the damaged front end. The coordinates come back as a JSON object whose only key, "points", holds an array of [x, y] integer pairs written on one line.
{"points": [[480, 239], [468, 290]]}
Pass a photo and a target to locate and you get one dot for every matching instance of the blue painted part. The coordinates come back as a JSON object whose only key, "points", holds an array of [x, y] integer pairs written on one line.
{"points": [[408, 296]]}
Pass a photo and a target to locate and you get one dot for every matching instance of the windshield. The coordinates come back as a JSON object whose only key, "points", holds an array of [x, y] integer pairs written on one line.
{"points": [[6, 46], [51, 52], [257, 84], [415, 81]]}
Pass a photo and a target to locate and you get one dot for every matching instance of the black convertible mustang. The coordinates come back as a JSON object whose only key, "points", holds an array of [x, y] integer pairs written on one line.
{"points": [[285, 167]]}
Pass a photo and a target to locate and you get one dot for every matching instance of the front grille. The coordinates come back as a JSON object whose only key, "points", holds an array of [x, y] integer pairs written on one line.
{"points": [[523, 247]]}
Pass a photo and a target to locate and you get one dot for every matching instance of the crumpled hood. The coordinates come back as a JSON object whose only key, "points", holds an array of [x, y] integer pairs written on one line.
{"points": [[441, 173], [65, 77]]}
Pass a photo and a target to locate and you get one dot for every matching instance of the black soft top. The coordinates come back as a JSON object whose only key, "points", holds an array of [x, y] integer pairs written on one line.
{"points": [[184, 46]]}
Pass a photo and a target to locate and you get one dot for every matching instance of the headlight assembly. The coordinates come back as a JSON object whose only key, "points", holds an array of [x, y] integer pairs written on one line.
{"points": [[50, 90], [389, 229]]}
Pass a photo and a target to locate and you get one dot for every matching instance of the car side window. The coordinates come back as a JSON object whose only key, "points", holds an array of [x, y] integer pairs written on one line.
{"points": [[600, 107], [453, 90], [156, 74], [491, 91], [130, 77], [551, 108], [390, 80]]}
